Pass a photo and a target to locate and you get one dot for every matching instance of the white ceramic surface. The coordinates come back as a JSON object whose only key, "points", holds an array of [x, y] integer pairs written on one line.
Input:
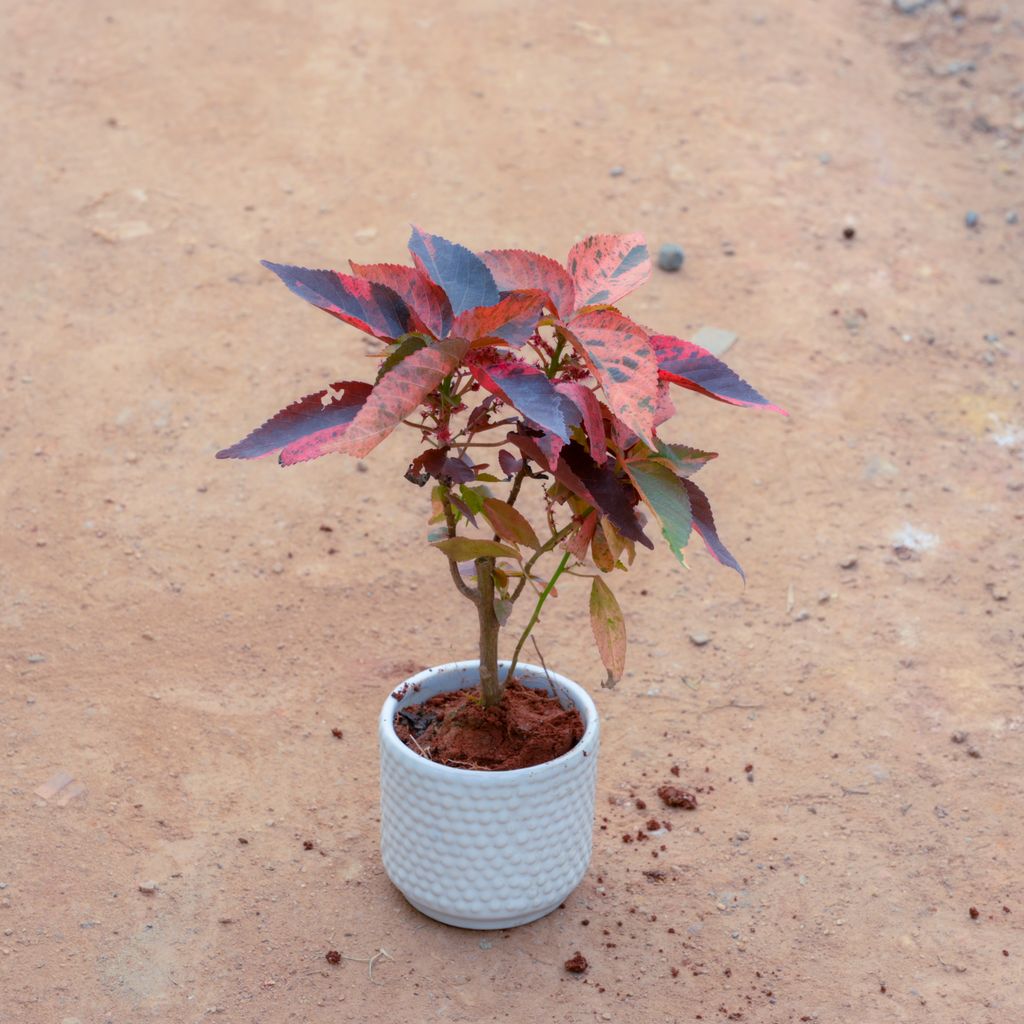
{"points": [[486, 849]]}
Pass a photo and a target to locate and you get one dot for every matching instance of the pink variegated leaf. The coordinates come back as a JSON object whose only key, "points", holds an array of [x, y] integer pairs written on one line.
{"points": [[690, 366], [623, 361], [373, 308], [604, 268], [398, 393], [415, 289], [462, 275], [593, 422], [515, 269], [332, 409], [665, 409], [528, 389], [513, 319]]}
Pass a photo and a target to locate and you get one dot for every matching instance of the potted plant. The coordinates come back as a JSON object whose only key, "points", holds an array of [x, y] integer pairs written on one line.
{"points": [[513, 374]]}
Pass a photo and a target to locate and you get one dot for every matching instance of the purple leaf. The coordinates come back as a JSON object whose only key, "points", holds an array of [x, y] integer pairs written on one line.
{"points": [[462, 275], [704, 524], [331, 409], [373, 308], [690, 366], [595, 484], [529, 390]]}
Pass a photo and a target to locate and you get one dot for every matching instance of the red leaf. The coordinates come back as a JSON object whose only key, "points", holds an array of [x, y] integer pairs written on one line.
{"points": [[415, 289], [604, 268], [397, 394], [621, 356], [331, 409], [514, 319], [514, 269], [682, 362], [462, 275], [529, 390], [373, 308], [704, 524], [593, 422], [579, 541]]}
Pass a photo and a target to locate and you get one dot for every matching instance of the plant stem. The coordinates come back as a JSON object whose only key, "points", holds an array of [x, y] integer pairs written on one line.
{"points": [[460, 584], [536, 614], [490, 684], [550, 543], [553, 365]]}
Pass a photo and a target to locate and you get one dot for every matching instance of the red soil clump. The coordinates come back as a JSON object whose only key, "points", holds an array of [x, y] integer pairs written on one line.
{"points": [[527, 728]]}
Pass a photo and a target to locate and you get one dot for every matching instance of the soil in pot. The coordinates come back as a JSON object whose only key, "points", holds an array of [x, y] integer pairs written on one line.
{"points": [[528, 727]]}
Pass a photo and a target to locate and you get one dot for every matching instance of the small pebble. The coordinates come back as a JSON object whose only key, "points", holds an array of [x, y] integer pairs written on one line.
{"points": [[802, 615], [973, 752], [670, 257], [1012, 216], [959, 736], [149, 888], [36, 659], [617, 172], [971, 219], [849, 562], [699, 639], [849, 232]]}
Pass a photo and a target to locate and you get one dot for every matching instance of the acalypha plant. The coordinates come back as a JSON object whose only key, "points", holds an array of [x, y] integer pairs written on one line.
{"points": [[509, 367]]}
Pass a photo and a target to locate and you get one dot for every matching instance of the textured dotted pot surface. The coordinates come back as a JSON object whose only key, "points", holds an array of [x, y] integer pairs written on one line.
{"points": [[486, 849]]}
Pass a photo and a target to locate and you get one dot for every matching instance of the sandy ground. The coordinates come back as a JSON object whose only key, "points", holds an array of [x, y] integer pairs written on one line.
{"points": [[180, 636]]}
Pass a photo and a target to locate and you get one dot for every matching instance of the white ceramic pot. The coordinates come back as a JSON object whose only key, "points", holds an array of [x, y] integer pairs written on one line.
{"points": [[482, 849]]}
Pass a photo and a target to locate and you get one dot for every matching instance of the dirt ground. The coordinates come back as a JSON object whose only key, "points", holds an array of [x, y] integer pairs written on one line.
{"points": [[179, 636]]}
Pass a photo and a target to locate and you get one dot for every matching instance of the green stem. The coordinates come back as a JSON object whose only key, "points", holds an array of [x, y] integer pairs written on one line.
{"points": [[536, 615], [556, 358]]}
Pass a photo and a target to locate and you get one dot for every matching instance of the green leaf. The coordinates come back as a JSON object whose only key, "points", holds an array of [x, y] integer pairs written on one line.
{"points": [[683, 459], [397, 352], [465, 549], [668, 499], [510, 523], [609, 629], [472, 498]]}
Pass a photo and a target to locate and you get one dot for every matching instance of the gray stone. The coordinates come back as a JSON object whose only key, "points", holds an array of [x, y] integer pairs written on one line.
{"points": [[699, 639], [716, 340], [1012, 216], [617, 172], [971, 219], [670, 257]]}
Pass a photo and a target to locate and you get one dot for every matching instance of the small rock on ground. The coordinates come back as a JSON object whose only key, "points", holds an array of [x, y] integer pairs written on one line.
{"points": [[670, 257]]}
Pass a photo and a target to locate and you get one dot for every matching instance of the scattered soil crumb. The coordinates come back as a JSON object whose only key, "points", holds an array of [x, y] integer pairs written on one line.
{"points": [[676, 797], [577, 963]]}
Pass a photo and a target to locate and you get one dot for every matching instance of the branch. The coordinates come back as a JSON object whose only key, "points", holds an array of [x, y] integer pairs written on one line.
{"points": [[460, 584], [548, 545], [517, 483]]}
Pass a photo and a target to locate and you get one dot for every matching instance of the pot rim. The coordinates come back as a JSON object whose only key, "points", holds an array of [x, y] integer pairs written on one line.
{"points": [[582, 701]]}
